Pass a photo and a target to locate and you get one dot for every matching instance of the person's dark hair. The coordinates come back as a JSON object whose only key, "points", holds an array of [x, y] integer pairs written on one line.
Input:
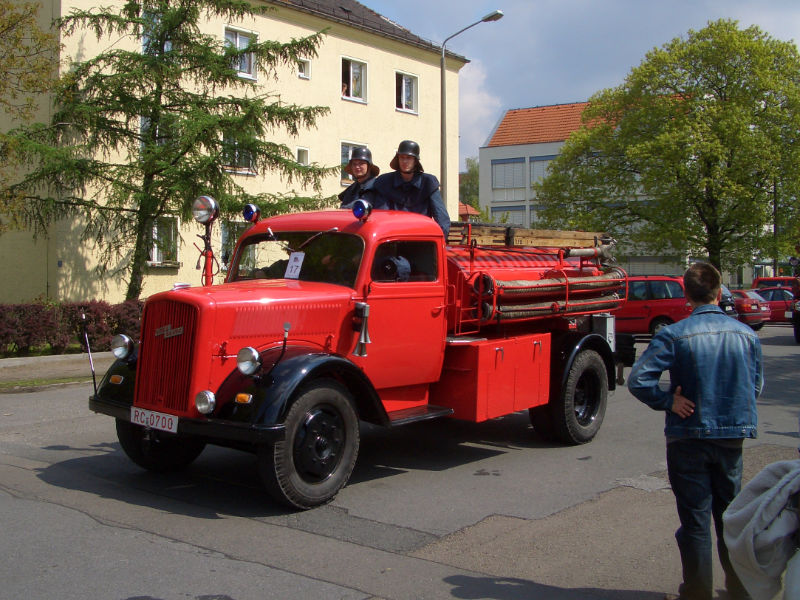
{"points": [[702, 282]]}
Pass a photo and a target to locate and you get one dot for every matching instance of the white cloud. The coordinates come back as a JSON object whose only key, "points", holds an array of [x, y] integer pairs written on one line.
{"points": [[479, 109]]}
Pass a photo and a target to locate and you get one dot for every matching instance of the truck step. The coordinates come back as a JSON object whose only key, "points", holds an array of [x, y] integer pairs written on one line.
{"points": [[417, 413]]}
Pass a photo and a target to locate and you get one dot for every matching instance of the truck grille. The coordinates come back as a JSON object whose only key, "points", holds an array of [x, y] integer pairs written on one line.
{"points": [[165, 356]]}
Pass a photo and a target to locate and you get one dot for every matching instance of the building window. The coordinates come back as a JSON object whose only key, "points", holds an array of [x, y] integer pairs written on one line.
{"points": [[347, 151], [302, 156], [406, 92], [508, 179], [163, 134], [304, 69], [164, 251], [511, 215], [354, 79], [235, 158], [245, 64], [151, 45], [230, 233], [539, 166]]}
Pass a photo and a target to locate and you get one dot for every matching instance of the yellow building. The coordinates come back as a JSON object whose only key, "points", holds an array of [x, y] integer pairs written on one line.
{"points": [[380, 82]]}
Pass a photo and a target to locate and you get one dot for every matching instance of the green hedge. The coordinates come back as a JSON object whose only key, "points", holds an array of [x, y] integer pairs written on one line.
{"points": [[55, 327]]}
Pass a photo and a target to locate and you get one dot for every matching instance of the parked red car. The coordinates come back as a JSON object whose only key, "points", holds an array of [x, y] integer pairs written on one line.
{"points": [[793, 283], [752, 308], [653, 301], [779, 300]]}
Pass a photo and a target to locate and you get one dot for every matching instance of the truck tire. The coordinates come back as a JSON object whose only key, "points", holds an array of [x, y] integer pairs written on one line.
{"points": [[157, 451], [317, 456], [580, 406]]}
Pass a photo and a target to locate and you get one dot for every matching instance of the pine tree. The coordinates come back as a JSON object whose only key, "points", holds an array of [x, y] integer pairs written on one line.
{"points": [[158, 118]]}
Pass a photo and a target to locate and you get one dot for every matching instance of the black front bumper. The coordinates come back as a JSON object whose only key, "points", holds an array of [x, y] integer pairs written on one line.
{"points": [[210, 429]]}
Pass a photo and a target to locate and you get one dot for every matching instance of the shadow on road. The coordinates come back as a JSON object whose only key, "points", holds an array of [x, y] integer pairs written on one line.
{"points": [[509, 588], [226, 482]]}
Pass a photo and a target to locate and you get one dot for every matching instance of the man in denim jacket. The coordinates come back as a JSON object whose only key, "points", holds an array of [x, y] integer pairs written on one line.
{"points": [[715, 369]]}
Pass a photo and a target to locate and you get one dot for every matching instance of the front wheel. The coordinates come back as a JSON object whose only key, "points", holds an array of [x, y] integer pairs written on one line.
{"points": [[797, 330], [580, 406], [317, 456], [157, 451]]}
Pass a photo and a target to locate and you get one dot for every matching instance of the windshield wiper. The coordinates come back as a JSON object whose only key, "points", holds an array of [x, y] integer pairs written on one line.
{"points": [[315, 236]]}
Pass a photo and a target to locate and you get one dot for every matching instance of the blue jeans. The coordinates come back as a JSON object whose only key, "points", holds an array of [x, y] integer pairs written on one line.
{"points": [[704, 477]]}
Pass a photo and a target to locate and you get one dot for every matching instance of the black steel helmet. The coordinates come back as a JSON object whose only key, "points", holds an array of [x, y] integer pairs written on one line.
{"points": [[408, 148], [360, 153]]}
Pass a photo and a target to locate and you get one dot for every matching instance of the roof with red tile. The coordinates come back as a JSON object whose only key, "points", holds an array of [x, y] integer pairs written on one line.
{"points": [[538, 124]]}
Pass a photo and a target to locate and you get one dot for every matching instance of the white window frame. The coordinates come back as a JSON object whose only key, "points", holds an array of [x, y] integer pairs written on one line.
{"points": [[508, 180], [299, 155], [165, 226], [402, 80], [238, 164], [347, 86], [240, 39], [304, 68], [346, 178]]}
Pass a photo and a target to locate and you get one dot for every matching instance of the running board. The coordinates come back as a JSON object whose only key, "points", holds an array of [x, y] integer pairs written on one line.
{"points": [[417, 413]]}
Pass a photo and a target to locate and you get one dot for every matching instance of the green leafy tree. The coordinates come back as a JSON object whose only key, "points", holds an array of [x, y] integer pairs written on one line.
{"points": [[692, 152], [28, 62], [468, 189], [28, 57], [157, 119]]}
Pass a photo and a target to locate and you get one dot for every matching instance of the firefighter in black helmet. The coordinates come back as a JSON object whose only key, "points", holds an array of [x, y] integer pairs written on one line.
{"points": [[409, 188], [360, 168]]}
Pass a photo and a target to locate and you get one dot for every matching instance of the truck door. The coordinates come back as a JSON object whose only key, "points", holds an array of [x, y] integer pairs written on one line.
{"points": [[407, 315]]}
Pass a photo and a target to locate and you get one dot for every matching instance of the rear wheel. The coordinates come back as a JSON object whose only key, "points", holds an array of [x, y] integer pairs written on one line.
{"points": [[757, 327], [658, 324], [580, 406], [797, 330], [156, 450], [316, 459]]}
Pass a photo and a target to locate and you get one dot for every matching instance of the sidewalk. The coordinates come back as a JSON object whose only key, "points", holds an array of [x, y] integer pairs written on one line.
{"points": [[57, 367]]}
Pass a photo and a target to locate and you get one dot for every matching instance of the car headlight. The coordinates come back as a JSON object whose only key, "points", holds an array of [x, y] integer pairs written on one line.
{"points": [[248, 360], [121, 346], [205, 402]]}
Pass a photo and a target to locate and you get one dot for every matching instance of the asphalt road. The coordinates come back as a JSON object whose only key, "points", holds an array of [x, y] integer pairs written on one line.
{"points": [[441, 509]]}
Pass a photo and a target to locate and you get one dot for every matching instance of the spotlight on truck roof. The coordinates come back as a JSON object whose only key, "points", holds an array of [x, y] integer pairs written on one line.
{"points": [[205, 209]]}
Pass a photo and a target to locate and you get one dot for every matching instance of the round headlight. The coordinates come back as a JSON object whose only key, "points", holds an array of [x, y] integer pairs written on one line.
{"points": [[205, 209], [205, 402], [121, 346], [248, 361]]}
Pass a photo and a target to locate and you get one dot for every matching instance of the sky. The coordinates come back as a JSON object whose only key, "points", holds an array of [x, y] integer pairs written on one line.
{"points": [[545, 52]]}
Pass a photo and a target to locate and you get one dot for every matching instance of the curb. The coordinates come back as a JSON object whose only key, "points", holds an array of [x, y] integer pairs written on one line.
{"points": [[62, 366]]}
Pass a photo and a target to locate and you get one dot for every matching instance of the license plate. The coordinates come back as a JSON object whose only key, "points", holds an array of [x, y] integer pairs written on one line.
{"points": [[154, 420], [788, 315]]}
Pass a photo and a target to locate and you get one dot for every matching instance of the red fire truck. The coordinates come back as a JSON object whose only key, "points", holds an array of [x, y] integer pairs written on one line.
{"points": [[328, 318]]}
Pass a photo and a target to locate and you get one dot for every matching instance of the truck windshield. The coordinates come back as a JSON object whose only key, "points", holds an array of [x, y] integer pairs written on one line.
{"points": [[330, 257]]}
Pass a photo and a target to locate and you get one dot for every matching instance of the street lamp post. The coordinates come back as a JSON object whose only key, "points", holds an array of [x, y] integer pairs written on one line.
{"points": [[492, 16]]}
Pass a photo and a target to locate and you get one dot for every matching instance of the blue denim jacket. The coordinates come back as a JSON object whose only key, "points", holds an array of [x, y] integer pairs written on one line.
{"points": [[717, 362]]}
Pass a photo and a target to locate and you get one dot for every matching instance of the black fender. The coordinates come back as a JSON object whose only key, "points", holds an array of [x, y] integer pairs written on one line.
{"points": [[566, 348], [123, 391], [283, 373]]}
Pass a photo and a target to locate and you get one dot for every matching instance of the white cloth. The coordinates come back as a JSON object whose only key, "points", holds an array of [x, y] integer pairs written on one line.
{"points": [[759, 526]]}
